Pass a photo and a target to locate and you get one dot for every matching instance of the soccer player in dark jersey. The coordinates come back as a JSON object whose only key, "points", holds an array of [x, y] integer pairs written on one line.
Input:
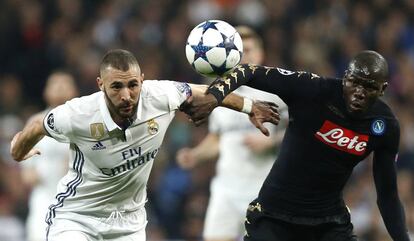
{"points": [[334, 124]]}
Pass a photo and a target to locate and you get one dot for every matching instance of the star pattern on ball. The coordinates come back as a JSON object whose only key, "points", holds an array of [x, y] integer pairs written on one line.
{"points": [[228, 43], [208, 24], [200, 51], [220, 70]]}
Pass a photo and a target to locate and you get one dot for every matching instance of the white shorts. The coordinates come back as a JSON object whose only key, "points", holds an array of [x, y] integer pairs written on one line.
{"points": [[36, 227], [118, 226], [225, 215]]}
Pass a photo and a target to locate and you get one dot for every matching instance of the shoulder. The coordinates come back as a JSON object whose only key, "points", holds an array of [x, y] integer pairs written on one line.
{"points": [[85, 104], [155, 95], [75, 112], [331, 85], [382, 109], [155, 89], [383, 119]]}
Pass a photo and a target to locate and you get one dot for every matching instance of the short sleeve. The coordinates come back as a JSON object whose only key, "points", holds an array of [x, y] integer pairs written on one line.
{"points": [[57, 123], [178, 92]]}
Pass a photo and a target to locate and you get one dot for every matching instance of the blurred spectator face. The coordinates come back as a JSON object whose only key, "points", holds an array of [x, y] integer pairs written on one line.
{"points": [[252, 46], [60, 87], [10, 93], [252, 52]]}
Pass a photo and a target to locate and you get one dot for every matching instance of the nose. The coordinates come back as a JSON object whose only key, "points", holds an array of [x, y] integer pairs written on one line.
{"points": [[125, 95], [359, 92]]}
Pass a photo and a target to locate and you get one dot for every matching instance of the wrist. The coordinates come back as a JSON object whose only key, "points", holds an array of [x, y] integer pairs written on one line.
{"points": [[218, 96], [247, 105]]}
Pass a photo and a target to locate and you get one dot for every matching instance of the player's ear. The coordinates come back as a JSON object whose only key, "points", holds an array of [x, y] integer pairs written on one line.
{"points": [[383, 87], [99, 81], [142, 77]]}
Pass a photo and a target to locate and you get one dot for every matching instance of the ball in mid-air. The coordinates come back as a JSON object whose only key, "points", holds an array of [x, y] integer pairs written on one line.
{"points": [[213, 48]]}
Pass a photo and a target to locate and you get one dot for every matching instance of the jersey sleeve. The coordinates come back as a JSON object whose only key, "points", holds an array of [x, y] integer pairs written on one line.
{"points": [[290, 86], [178, 92], [57, 123], [385, 177]]}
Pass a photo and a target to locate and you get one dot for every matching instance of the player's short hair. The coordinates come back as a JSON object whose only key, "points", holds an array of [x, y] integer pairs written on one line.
{"points": [[368, 64], [248, 33], [119, 59]]}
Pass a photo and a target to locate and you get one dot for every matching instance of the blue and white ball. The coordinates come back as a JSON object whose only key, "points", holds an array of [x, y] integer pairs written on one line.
{"points": [[213, 48]]}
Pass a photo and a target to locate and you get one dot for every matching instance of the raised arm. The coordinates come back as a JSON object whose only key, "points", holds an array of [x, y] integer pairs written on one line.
{"points": [[389, 204], [21, 147]]}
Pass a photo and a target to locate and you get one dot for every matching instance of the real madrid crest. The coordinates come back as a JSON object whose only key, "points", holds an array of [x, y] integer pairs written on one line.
{"points": [[152, 127], [378, 127], [97, 130]]}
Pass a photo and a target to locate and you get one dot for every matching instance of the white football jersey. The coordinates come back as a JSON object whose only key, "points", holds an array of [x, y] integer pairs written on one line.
{"points": [[109, 167], [239, 169], [50, 167]]}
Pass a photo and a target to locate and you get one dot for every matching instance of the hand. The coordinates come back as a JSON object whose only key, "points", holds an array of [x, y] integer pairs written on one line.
{"points": [[199, 107], [258, 143], [263, 111], [31, 153], [186, 159]]}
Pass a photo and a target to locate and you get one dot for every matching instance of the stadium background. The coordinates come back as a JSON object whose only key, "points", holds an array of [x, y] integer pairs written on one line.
{"points": [[39, 36]]}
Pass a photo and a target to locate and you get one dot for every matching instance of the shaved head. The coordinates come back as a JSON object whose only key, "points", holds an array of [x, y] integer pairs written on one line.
{"points": [[368, 65], [118, 59]]}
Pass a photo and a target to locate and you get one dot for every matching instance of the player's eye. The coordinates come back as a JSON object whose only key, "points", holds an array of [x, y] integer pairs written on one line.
{"points": [[133, 85], [116, 86]]}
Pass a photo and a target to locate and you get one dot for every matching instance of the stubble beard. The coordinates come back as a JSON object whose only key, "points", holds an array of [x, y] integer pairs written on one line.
{"points": [[117, 110]]}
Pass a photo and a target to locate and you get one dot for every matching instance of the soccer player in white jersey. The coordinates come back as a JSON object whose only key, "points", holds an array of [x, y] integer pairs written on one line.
{"points": [[114, 136], [43, 172], [244, 155]]}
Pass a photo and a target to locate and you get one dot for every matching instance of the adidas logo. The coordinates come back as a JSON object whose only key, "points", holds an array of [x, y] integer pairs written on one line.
{"points": [[98, 146]]}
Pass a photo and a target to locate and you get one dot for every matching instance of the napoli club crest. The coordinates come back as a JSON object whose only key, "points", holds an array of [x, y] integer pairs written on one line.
{"points": [[378, 127]]}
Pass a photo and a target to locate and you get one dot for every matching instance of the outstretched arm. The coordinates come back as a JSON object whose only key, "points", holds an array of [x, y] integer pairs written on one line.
{"points": [[290, 86], [21, 147], [201, 104]]}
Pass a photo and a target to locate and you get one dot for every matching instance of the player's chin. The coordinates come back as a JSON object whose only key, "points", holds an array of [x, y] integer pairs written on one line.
{"points": [[127, 112]]}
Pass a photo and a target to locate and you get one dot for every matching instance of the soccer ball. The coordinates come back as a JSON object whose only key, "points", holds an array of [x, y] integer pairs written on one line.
{"points": [[214, 48]]}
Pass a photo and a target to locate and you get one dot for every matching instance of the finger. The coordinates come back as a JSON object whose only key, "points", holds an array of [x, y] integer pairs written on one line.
{"points": [[200, 122], [190, 100], [276, 116], [274, 109], [268, 104], [263, 129], [184, 107], [31, 153], [272, 104], [273, 119]]}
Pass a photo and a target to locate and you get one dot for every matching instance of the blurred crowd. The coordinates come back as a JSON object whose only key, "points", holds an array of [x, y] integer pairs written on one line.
{"points": [[41, 36]]}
